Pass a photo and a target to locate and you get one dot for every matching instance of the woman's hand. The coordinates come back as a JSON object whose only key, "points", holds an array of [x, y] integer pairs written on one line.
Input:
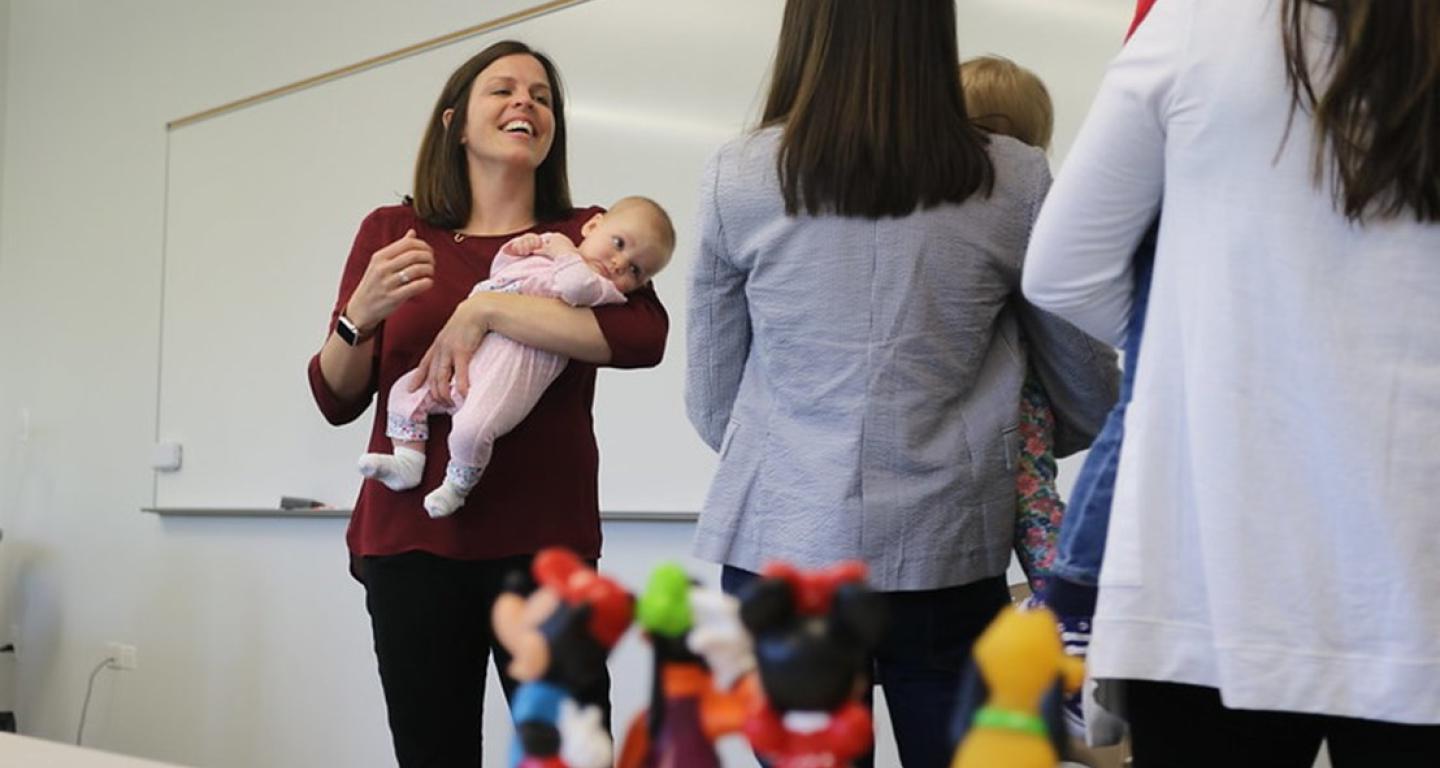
{"points": [[449, 355], [397, 272]]}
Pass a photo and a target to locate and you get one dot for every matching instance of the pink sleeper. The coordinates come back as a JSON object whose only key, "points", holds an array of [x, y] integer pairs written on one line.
{"points": [[507, 378]]}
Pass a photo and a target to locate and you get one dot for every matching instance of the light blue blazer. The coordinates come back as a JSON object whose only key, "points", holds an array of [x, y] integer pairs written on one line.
{"points": [[861, 378]]}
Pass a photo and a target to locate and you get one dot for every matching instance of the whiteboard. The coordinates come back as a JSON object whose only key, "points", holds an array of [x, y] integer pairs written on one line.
{"points": [[262, 205]]}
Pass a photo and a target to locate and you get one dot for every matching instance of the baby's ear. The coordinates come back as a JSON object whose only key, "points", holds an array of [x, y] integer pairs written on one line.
{"points": [[590, 225]]}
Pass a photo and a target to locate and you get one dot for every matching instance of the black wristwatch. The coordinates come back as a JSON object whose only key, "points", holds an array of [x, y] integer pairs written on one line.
{"points": [[350, 333]]}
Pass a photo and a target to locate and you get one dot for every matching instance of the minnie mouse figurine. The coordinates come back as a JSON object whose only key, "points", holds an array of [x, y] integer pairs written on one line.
{"points": [[560, 635], [813, 633]]}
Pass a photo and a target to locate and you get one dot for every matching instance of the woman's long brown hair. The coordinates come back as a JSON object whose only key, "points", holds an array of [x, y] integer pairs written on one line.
{"points": [[874, 119], [1377, 124], [442, 181]]}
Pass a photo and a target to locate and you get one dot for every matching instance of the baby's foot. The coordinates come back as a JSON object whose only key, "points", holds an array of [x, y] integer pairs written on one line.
{"points": [[399, 472], [443, 501]]}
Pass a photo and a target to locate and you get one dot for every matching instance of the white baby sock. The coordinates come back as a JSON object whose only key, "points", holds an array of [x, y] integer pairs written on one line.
{"points": [[399, 472], [443, 501]]}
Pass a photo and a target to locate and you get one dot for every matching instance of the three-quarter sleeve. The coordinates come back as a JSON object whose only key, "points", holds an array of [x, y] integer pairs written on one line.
{"points": [[1108, 191], [635, 330], [718, 324], [337, 410]]}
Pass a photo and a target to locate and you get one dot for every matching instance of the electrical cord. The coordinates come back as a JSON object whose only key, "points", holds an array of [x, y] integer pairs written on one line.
{"points": [[90, 688]]}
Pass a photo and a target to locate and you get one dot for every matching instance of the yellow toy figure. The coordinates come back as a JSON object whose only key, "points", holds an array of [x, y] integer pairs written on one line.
{"points": [[1020, 661]]}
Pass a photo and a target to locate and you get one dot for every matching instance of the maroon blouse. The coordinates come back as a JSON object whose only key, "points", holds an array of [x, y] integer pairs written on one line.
{"points": [[540, 487]]}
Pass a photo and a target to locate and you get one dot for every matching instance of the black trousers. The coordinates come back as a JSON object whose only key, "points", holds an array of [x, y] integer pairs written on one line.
{"points": [[1177, 726], [921, 661], [431, 622]]}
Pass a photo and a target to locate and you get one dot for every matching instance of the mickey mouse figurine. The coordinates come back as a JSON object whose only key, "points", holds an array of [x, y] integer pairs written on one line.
{"points": [[560, 635], [814, 632]]}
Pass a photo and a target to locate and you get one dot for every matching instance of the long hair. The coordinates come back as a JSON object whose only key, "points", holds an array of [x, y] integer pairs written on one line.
{"points": [[442, 182], [1377, 124], [873, 117]]}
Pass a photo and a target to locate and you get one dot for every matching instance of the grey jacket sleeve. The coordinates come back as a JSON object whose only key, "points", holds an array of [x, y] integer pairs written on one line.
{"points": [[1079, 374], [718, 324]]}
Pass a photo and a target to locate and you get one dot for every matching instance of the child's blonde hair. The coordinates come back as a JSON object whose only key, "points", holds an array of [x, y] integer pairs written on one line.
{"points": [[1006, 98]]}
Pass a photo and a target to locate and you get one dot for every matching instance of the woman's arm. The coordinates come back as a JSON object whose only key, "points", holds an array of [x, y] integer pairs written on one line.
{"points": [[1107, 193], [1079, 375], [718, 328], [629, 335], [373, 285], [548, 324]]}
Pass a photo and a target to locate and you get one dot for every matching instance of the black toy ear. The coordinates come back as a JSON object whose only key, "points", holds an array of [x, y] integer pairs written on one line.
{"points": [[1053, 712], [860, 614], [766, 604], [520, 581], [973, 693], [577, 659]]}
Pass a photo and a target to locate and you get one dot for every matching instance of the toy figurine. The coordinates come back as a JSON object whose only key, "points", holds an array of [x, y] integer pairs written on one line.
{"points": [[560, 636], [1020, 663], [814, 632], [687, 628]]}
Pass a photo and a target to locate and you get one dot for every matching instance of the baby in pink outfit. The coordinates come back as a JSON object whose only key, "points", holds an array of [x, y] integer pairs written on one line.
{"points": [[621, 250]]}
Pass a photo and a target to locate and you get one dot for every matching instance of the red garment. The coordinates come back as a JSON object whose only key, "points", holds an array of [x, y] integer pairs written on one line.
{"points": [[847, 736], [540, 488], [1142, 9]]}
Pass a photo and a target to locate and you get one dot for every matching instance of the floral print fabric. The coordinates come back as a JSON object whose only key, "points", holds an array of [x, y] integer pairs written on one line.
{"points": [[1039, 508]]}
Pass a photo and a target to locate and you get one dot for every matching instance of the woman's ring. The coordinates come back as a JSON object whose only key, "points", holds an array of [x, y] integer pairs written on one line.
{"points": [[404, 278]]}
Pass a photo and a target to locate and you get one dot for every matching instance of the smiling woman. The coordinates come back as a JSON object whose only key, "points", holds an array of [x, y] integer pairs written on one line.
{"points": [[491, 166]]}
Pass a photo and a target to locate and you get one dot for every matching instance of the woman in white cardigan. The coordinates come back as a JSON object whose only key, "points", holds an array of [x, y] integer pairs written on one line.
{"points": [[1273, 542]]}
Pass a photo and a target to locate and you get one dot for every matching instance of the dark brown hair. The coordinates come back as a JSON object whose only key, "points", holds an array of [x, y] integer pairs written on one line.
{"points": [[874, 119], [1377, 124], [442, 182]]}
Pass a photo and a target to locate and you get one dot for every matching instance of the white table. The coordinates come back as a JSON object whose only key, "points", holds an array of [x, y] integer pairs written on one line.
{"points": [[25, 752]]}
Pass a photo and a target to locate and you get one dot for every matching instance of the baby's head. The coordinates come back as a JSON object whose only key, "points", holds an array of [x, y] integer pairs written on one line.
{"points": [[1006, 98], [630, 243]]}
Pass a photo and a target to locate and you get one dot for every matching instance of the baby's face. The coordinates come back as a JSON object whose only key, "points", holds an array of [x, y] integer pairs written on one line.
{"points": [[623, 246]]}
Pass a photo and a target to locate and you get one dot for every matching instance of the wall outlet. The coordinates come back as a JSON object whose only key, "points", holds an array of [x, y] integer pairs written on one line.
{"points": [[122, 656], [166, 456]]}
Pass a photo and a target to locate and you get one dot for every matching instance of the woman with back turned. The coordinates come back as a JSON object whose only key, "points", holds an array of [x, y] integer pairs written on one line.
{"points": [[854, 339], [1270, 578]]}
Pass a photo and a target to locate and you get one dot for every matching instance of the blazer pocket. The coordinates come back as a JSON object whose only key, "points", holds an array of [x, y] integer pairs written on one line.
{"points": [[1010, 440], [731, 427]]}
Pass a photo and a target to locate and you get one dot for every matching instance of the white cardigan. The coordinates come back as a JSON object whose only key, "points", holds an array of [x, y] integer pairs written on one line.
{"points": [[1276, 527]]}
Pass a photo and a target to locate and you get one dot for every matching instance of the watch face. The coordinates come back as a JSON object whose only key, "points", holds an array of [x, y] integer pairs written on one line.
{"points": [[347, 331]]}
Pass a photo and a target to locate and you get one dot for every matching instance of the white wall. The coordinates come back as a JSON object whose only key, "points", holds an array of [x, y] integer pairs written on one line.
{"points": [[4, 76], [253, 642]]}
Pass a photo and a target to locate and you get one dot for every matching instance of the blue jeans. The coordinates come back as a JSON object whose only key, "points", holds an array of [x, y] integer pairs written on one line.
{"points": [[921, 660], [1087, 516]]}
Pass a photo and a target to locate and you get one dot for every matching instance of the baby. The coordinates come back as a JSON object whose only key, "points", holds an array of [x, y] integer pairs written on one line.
{"points": [[621, 251]]}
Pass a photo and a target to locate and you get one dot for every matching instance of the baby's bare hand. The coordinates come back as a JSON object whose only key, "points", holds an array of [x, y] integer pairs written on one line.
{"points": [[528, 245]]}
